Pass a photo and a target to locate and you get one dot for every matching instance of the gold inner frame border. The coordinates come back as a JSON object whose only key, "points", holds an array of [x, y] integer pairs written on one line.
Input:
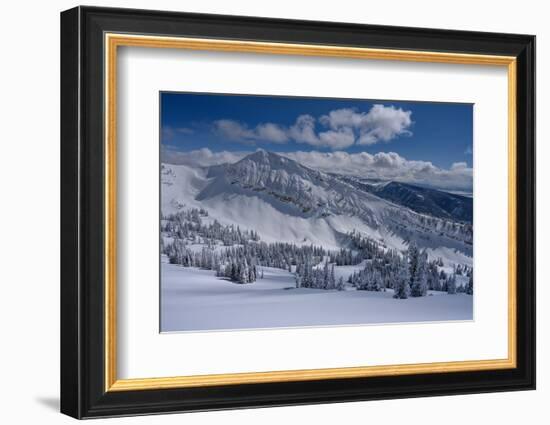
{"points": [[111, 43]]}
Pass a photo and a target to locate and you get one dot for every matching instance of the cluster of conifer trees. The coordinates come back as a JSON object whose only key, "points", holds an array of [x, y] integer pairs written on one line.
{"points": [[242, 254], [188, 225], [232, 263], [308, 276], [409, 274]]}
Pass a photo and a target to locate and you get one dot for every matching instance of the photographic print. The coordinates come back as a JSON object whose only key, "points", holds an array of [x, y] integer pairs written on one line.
{"points": [[280, 212], [283, 183]]}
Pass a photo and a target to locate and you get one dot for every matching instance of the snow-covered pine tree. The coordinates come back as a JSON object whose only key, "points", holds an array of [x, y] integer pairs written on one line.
{"points": [[470, 287], [432, 276], [412, 257], [252, 274], [451, 284], [305, 271], [298, 277], [401, 283], [227, 270], [419, 285], [374, 281], [326, 277], [332, 278], [243, 271], [234, 272]]}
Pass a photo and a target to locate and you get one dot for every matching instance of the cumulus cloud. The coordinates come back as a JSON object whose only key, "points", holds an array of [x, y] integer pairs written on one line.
{"points": [[337, 139], [380, 124], [233, 130], [169, 133], [201, 157], [271, 132], [384, 124], [304, 131], [339, 129], [388, 166], [240, 132], [459, 166], [344, 117]]}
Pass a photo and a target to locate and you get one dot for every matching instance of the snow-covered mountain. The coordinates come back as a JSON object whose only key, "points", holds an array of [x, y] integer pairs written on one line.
{"points": [[285, 201], [420, 199], [289, 186]]}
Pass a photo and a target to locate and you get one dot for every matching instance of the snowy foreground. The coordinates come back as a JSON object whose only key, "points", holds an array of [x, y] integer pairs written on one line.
{"points": [[196, 300]]}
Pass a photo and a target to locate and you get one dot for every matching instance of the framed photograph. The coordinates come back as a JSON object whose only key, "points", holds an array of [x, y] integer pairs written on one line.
{"points": [[261, 212]]}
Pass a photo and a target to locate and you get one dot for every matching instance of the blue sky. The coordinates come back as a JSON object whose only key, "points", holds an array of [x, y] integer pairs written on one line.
{"points": [[440, 133]]}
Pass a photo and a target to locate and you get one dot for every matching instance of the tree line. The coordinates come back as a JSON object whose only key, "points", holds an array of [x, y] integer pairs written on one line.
{"points": [[243, 256]]}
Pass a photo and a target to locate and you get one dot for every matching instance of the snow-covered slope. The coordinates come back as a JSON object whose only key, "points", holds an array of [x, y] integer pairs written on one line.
{"points": [[180, 185], [285, 201], [420, 199], [196, 300]]}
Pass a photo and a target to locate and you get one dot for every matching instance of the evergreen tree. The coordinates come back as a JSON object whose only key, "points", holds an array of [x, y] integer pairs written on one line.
{"points": [[326, 277], [298, 278], [402, 281], [470, 287], [412, 258], [243, 271], [375, 281], [451, 284], [432, 277], [234, 272], [419, 285]]}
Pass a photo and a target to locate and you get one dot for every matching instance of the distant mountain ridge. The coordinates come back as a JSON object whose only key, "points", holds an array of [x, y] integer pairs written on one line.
{"points": [[421, 199]]}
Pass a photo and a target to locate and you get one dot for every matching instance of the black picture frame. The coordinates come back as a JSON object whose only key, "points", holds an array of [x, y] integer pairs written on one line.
{"points": [[83, 392]]}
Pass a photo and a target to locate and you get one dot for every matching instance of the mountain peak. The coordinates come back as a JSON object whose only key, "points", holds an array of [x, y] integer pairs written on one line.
{"points": [[259, 155], [271, 160], [262, 155]]}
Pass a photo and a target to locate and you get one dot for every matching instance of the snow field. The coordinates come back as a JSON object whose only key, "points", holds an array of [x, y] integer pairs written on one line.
{"points": [[196, 300]]}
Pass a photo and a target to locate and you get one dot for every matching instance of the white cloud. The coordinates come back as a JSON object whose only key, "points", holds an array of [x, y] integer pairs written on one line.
{"points": [[380, 124], [271, 132], [388, 160], [459, 166], [303, 131], [169, 133], [388, 166], [234, 130], [384, 123], [337, 139], [342, 128], [345, 117], [201, 157], [239, 132]]}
